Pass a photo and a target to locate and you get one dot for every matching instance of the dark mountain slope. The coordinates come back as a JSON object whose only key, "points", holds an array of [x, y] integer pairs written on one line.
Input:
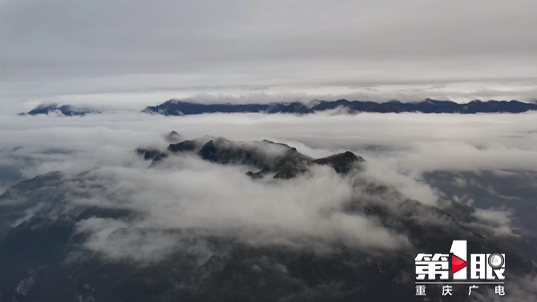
{"points": [[44, 257], [34, 265]]}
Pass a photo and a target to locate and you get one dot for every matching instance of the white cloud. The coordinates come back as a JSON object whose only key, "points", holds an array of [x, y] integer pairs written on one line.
{"points": [[187, 193], [222, 201]]}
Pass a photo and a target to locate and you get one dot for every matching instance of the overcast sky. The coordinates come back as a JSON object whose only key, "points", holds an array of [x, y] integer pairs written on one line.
{"points": [[281, 48]]}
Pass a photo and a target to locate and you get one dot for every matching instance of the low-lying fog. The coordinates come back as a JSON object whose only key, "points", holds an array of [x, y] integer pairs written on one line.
{"points": [[485, 160]]}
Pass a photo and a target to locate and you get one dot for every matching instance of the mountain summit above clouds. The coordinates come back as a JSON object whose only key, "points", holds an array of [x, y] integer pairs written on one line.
{"points": [[66, 110], [280, 160], [178, 107]]}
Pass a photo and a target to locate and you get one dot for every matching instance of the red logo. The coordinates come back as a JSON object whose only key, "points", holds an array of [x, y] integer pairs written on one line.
{"points": [[457, 264]]}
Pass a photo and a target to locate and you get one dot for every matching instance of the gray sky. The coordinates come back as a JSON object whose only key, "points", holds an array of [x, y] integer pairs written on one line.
{"points": [[355, 48]]}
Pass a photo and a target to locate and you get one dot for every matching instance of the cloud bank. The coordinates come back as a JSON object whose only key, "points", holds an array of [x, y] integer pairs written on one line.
{"points": [[186, 193]]}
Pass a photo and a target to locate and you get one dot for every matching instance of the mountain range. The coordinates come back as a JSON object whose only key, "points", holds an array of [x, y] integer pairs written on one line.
{"points": [[178, 107], [44, 254]]}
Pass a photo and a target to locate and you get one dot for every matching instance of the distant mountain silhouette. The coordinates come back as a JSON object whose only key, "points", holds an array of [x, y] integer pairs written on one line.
{"points": [[67, 110], [177, 107]]}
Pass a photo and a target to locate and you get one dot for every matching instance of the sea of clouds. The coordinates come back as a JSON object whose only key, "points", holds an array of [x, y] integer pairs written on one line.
{"points": [[186, 193]]}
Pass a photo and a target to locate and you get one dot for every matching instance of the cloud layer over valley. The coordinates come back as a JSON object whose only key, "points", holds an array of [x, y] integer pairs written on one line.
{"points": [[188, 194]]}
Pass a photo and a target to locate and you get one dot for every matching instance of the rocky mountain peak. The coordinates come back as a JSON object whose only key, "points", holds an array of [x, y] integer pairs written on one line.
{"points": [[281, 160]]}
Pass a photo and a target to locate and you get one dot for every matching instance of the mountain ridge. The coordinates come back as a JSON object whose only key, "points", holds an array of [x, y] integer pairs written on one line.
{"points": [[66, 110], [282, 160], [176, 107]]}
